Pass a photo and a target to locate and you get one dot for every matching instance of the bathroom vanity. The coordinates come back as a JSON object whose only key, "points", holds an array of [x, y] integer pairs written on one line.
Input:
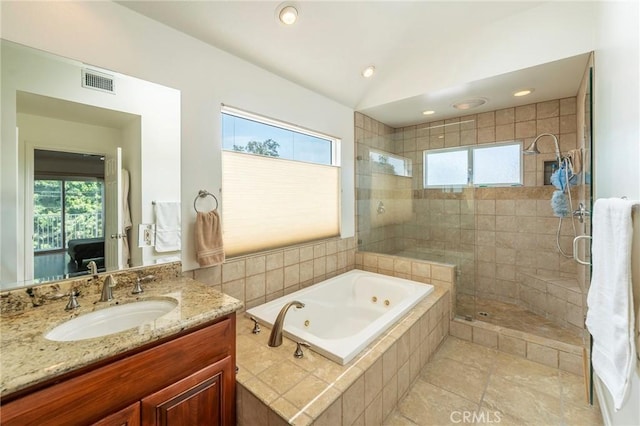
{"points": [[177, 369]]}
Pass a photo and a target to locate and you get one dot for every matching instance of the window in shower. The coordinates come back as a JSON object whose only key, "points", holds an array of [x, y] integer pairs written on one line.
{"points": [[485, 165], [384, 162], [280, 184]]}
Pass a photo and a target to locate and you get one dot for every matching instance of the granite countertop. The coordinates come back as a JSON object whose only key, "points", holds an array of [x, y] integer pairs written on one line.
{"points": [[28, 358]]}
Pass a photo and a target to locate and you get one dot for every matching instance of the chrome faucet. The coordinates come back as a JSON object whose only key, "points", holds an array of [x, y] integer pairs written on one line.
{"points": [[275, 338], [107, 289], [93, 268]]}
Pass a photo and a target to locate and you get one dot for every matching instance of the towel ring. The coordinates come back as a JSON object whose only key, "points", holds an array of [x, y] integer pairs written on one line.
{"points": [[202, 194]]}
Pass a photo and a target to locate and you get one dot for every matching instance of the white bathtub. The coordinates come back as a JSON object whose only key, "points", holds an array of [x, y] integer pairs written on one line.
{"points": [[342, 315]]}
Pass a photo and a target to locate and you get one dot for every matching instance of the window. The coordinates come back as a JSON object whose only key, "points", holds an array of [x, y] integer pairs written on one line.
{"points": [[483, 165], [383, 162], [280, 183]]}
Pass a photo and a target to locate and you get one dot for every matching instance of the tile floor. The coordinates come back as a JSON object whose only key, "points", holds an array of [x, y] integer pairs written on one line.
{"points": [[466, 383]]}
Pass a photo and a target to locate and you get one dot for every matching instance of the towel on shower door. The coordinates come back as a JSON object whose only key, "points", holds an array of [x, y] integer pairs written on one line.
{"points": [[168, 226], [610, 302], [209, 246]]}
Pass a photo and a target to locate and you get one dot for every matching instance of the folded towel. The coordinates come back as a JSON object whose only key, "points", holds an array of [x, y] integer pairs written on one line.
{"points": [[209, 246], [610, 315], [168, 226], [575, 157]]}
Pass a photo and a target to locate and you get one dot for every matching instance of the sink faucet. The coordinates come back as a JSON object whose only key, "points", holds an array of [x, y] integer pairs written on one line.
{"points": [[107, 289], [93, 268], [275, 338]]}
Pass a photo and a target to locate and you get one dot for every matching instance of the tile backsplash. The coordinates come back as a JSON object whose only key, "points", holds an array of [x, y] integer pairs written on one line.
{"points": [[258, 278]]}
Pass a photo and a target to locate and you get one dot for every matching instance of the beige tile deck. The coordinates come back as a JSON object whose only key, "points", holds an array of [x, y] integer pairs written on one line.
{"points": [[488, 386]]}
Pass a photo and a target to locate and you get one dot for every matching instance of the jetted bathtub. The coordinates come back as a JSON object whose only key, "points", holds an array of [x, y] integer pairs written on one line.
{"points": [[343, 314]]}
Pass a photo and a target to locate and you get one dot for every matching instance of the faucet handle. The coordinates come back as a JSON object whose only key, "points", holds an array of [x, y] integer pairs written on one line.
{"points": [[256, 326], [73, 300], [298, 353], [137, 288]]}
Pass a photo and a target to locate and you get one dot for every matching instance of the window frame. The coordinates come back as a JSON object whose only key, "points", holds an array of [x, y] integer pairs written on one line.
{"points": [[261, 119], [470, 164]]}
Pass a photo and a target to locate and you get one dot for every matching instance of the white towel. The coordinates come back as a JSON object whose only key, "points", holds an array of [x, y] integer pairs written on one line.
{"points": [[610, 301], [168, 226]]}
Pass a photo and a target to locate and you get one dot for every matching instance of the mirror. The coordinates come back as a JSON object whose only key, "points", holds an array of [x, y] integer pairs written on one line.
{"points": [[86, 153]]}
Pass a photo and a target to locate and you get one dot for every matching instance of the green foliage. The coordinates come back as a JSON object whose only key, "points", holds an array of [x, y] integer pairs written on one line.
{"points": [[268, 148], [382, 165], [83, 211]]}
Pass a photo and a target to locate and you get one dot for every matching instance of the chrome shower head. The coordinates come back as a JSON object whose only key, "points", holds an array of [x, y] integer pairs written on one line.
{"points": [[533, 148]]}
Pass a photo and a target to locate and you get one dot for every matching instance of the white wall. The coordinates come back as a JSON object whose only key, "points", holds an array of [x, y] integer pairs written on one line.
{"points": [[34, 72], [113, 37], [616, 138], [550, 31]]}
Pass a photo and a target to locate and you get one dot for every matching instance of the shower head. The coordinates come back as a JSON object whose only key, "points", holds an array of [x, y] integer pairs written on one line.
{"points": [[533, 148]]}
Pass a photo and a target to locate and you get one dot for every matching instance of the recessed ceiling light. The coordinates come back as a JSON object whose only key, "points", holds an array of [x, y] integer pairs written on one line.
{"points": [[288, 14], [368, 71], [428, 112], [523, 92], [470, 103]]}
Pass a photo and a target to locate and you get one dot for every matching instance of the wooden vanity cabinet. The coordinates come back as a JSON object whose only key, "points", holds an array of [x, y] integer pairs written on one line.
{"points": [[188, 380]]}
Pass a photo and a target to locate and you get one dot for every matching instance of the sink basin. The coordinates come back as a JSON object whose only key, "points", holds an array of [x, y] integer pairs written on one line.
{"points": [[113, 319]]}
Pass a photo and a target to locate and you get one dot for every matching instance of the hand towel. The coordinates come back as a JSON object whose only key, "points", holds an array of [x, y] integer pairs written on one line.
{"points": [[168, 226], [209, 246], [610, 315]]}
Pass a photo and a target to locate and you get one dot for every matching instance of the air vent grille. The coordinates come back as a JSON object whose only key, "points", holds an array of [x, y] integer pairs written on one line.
{"points": [[98, 81]]}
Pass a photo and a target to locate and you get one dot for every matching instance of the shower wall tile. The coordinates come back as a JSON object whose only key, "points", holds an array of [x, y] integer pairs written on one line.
{"points": [[493, 235]]}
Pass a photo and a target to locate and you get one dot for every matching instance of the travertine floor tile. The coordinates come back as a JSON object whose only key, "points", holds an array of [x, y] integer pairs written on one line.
{"points": [[397, 419], [428, 405], [462, 379], [528, 373], [522, 402], [468, 353], [519, 392]]}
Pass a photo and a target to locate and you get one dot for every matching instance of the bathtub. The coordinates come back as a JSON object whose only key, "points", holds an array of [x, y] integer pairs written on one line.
{"points": [[342, 315]]}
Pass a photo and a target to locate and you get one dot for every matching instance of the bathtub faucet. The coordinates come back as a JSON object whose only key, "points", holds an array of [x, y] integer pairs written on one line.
{"points": [[275, 338]]}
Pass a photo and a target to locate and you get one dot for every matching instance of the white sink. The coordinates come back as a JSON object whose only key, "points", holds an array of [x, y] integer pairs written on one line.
{"points": [[113, 319]]}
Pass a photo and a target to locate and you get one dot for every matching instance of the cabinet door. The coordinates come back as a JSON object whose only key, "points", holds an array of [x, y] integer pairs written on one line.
{"points": [[200, 399], [129, 416]]}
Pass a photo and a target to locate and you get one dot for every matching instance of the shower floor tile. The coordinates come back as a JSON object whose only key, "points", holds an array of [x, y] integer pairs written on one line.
{"points": [[507, 390], [517, 318]]}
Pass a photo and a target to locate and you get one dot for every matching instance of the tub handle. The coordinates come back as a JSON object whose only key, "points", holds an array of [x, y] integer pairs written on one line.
{"points": [[256, 326], [298, 353]]}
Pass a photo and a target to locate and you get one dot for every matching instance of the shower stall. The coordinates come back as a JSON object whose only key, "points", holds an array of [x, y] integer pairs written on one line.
{"points": [[460, 191]]}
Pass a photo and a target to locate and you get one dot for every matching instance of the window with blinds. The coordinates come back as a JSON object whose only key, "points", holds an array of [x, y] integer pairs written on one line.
{"points": [[280, 184]]}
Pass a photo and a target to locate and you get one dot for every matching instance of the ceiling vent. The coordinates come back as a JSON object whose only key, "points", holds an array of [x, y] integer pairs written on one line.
{"points": [[98, 81]]}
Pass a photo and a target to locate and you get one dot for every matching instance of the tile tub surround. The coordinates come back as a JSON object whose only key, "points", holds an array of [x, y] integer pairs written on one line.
{"points": [[274, 388], [28, 358], [424, 271], [464, 377], [552, 353], [261, 277]]}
